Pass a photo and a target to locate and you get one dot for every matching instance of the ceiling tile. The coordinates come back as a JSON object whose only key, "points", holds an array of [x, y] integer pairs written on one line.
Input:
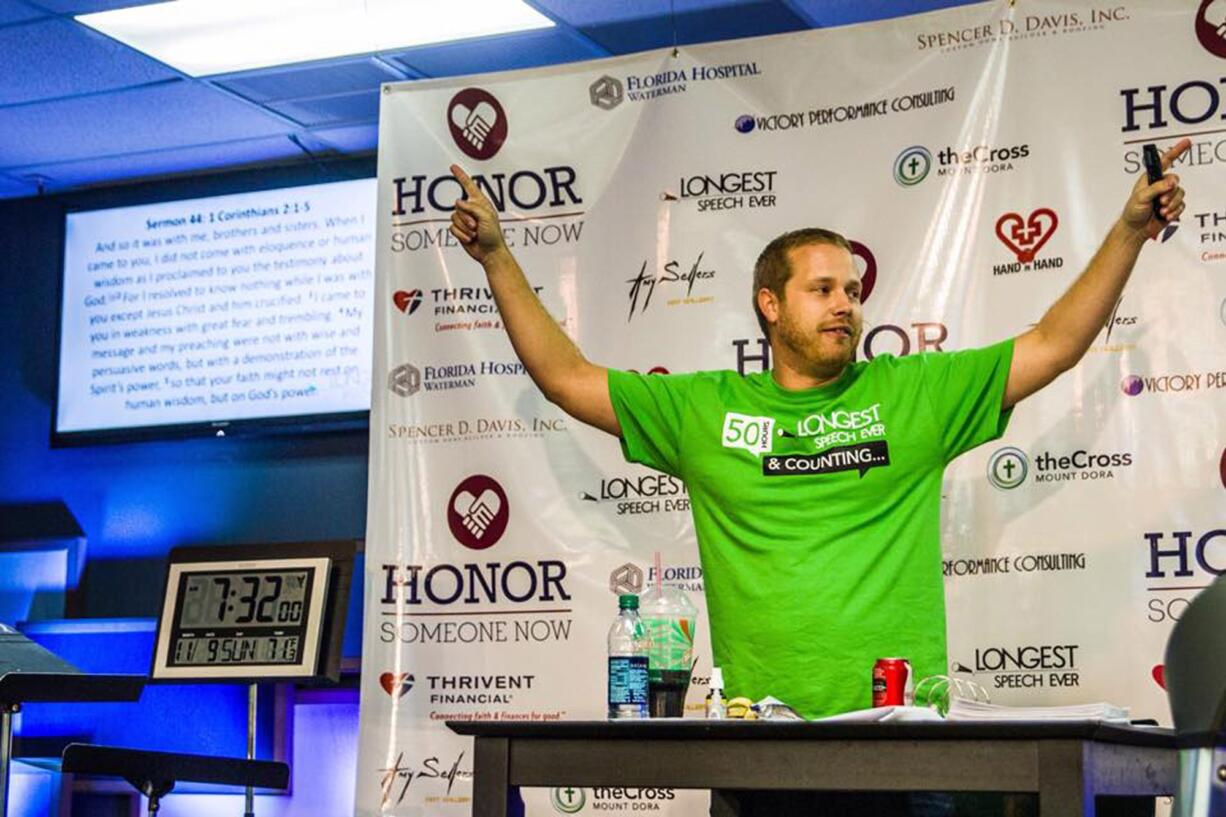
{"points": [[333, 77], [505, 52], [15, 11], [59, 58], [11, 188], [829, 13], [350, 139], [363, 107], [89, 6], [176, 114], [65, 175], [696, 23]]}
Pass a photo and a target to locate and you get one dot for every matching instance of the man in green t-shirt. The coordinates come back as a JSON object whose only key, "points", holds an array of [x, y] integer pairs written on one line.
{"points": [[815, 487]]}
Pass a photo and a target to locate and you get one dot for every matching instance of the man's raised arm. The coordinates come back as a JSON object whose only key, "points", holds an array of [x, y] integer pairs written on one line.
{"points": [[1068, 328], [556, 365]]}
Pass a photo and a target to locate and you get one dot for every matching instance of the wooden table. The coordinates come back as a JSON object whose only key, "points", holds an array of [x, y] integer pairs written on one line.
{"points": [[1066, 764]]}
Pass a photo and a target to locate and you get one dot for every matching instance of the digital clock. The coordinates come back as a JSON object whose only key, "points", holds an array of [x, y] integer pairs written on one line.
{"points": [[242, 618]]}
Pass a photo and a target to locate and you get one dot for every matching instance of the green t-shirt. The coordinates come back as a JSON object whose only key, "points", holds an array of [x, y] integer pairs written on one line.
{"points": [[818, 511]]}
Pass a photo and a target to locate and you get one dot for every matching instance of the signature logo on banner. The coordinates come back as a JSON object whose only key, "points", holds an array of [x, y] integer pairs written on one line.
{"points": [[477, 512], [478, 123], [432, 768], [396, 684], [644, 285], [1211, 26], [407, 302], [1025, 237]]}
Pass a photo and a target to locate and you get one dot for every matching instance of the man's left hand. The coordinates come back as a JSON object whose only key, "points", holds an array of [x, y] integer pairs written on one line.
{"points": [[1139, 215]]}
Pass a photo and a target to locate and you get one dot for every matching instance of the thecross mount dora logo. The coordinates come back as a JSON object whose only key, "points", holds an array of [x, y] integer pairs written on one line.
{"points": [[1025, 237], [912, 165], [607, 92], [567, 799], [1211, 26], [477, 512], [396, 684], [407, 301], [478, 123], [1007, 468]]}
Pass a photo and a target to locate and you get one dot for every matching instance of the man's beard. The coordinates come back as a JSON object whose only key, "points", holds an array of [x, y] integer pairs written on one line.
{"points": [[823, 355]]}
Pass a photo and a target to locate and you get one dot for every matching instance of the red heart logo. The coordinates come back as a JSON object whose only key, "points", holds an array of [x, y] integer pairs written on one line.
{"points": [[407, 301], [396, 683], [1026, 238], [1159, 673]]}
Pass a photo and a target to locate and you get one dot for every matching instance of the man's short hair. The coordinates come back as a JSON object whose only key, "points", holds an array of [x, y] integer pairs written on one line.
{"points": [[773, 270]]}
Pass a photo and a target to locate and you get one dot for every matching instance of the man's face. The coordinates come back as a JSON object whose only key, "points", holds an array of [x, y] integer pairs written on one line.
{"points": [[819, 317]]}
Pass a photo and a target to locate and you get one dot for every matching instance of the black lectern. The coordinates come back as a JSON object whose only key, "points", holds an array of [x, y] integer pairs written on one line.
{"points": [[31, 674], [154, 774]]}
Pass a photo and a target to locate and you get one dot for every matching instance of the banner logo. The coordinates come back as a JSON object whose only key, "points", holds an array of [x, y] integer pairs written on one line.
{"points": [[1025, 238], [407, 302], [643, 285], [912, 166], [405, 380], [606, 93], [1211, 27], [1158, 673], [567, 800], [477, 512], [478, 123], [744, 123], [866, 263], [626, 579], [396, 684], [1007, 468]]}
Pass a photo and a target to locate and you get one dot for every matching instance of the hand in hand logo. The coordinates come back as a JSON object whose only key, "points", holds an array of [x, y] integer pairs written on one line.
{"points": [[477, 512], [478, 123]]}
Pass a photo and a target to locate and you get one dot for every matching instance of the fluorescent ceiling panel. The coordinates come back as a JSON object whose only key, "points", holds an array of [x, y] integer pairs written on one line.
{"points": [[205, 37]]}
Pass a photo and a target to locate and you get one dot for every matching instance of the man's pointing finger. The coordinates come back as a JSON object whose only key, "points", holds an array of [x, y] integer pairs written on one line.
{"points": [[466, 181], [1181, 147]]}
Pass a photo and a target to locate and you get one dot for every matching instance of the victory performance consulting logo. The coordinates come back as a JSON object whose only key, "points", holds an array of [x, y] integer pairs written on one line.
{"points": [[477, 512], [478, 123]]}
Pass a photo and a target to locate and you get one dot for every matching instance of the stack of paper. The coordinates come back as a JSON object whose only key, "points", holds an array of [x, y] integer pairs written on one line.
{"points": [[961, 709]]}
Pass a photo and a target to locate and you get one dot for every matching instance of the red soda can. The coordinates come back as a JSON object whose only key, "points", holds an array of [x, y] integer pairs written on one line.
{"points": [[893, 682]]}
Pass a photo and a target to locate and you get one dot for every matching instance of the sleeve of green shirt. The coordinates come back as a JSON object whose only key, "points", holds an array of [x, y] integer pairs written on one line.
{"points": [[966, 390], [650, 409]]}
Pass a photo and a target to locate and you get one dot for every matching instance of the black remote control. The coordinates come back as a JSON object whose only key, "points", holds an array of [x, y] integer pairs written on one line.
{"points": [[1153, 169]]}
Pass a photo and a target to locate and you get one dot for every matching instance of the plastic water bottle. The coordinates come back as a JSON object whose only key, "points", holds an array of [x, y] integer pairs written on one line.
{"points": [[627, 662]]}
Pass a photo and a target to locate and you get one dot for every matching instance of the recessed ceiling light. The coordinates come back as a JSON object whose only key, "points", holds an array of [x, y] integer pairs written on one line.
{"points": [[204, 37]]}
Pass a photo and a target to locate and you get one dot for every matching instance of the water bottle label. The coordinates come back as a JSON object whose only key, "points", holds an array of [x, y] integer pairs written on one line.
{"points": [[627, 679], [672, 642]]}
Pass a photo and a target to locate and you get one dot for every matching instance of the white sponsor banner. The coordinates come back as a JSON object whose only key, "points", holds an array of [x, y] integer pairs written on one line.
{"points": [[975, 157]]}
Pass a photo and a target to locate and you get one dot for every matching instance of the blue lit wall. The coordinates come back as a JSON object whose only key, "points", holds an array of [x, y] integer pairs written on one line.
{"points": [[136, 501]]}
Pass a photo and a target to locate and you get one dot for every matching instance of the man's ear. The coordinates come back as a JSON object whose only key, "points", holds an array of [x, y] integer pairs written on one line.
{"points": [[768, 302]]}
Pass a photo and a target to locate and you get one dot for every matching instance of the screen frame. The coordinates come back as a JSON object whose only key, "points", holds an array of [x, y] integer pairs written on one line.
{"points": [[277, 177]]}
